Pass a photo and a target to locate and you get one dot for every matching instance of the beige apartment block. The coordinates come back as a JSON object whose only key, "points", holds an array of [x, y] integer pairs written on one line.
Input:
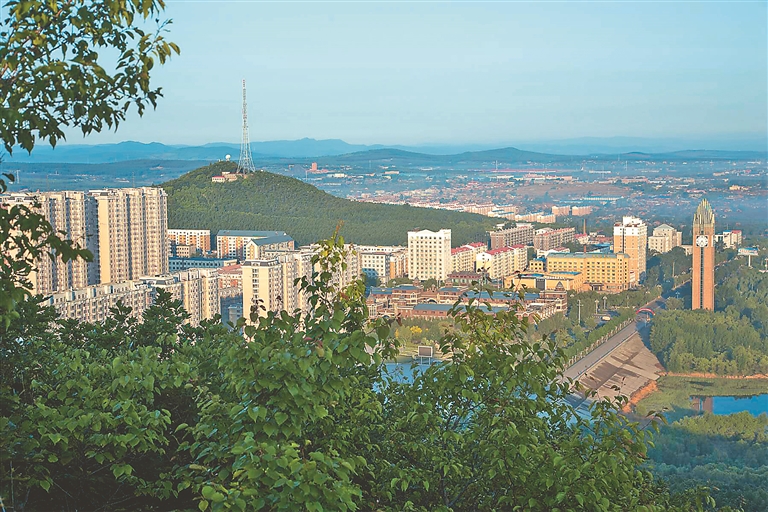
{"points": [[630, 236], [462, 259], [429, 254], [262, 286], [74, 215], [132, 233], [503, 262], [200, 239], [547, 239], [92, 303], [602, 272], [383, 263], [664, 239], [249, 245]]}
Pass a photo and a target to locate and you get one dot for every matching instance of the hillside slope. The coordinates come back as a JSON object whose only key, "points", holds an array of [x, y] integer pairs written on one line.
{"points": [[266, 201]]}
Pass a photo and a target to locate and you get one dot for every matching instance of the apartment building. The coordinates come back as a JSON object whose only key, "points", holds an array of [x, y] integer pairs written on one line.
{"points": [[664, 239], [522, 234], [383, 263], [200, 239], [179, 264], [580, 211], [429, 254], [462, 259], [561, 211], [730, 239], [232, 243], [605, 272], [73, 214], [630, 236], [502, 262], [262, 286], [547, 239], [92, 303], [196, 289], [125, 230]]}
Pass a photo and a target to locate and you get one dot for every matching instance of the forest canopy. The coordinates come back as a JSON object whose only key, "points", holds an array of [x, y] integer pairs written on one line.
{"points": [[267, 201]]}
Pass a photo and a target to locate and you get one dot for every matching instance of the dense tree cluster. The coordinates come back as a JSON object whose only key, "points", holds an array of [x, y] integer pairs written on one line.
{"points": [[729, 453], [730, 341], [267, 201], [297, 412]]}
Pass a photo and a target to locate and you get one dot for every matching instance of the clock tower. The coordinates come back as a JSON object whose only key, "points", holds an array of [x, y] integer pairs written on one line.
{"points": [[703, 277]]}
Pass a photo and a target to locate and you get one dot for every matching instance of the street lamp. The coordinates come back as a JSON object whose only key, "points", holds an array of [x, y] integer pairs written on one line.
{"points": [[604, 299]]}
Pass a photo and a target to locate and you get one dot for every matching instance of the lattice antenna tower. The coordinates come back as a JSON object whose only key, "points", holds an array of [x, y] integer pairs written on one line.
{"points": [[245, 164]]}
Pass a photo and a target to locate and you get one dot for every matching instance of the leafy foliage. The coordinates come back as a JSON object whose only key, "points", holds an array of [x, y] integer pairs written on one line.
{"points": [[55, 72], [728, 453], [266, 201], [298, 412]]}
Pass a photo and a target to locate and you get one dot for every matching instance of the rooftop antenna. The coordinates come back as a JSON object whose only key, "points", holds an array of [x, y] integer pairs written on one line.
{"points": [[245, 164]]}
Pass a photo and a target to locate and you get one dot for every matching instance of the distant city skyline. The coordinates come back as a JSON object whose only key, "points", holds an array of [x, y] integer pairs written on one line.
{"points": [[440, 73]]}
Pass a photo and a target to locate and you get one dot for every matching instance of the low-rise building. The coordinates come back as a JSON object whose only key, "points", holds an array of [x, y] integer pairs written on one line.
{"points": [[179, 264], [232, 243], [730, 239], [92, 304], [603, 272]]}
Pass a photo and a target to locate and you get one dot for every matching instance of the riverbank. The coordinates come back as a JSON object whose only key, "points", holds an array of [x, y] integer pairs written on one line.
{"points": [[673, 394]]}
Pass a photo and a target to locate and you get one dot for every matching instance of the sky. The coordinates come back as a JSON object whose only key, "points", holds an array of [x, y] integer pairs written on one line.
{"points": [[460, 72]]}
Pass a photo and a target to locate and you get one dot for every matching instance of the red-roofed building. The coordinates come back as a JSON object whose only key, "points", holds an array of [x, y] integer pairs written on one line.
{"points": [[503, 261]]}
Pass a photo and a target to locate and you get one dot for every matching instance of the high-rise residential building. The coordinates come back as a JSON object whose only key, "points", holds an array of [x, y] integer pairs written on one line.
{"points": [[547, 239], [429, 254], [70, 213], [125, 230], [262, 286], [522, 234], [200, 239], [462, 259], [703, 274], [232, 243], [664, 239], [132, 233], [604, 272], [196, 289], [630, 236]]}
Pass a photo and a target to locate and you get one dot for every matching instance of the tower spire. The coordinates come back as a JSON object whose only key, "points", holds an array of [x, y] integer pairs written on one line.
{"points": [[245, 164]]}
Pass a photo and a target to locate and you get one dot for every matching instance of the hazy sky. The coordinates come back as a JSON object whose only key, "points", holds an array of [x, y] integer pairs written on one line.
{"points": [[469, 72]]}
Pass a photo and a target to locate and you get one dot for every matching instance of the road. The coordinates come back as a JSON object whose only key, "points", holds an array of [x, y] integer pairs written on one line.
{"points": [[597, 355]]}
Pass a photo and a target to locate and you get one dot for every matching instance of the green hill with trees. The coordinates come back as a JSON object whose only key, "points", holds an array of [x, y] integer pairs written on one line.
{"points": [[267, 201]]}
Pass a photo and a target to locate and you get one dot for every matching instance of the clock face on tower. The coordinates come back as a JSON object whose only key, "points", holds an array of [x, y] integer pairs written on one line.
{"points": [[702, 241]]}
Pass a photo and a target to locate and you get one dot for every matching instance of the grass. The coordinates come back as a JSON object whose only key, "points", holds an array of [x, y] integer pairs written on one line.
{"points": [[674, 394]]}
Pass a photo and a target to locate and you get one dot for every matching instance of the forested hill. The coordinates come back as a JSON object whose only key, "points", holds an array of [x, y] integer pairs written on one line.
{"points": [[266, 201]]}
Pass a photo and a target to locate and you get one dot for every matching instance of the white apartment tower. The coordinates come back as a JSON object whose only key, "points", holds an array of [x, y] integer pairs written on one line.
{"points": [[429, 254], [630, 236]]}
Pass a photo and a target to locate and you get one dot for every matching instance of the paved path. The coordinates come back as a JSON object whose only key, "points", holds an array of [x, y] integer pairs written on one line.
{"points": [[584, 364]]}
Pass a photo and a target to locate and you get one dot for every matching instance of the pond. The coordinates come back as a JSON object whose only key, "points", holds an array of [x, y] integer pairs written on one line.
{"points": [[722, 405]]}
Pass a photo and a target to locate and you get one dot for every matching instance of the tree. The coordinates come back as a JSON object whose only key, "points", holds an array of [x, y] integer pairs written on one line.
{"points": [[54, 74], [56, 71]]}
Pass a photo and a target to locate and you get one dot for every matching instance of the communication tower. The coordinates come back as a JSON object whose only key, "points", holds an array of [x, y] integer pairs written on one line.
{"points": [[245, 164]]}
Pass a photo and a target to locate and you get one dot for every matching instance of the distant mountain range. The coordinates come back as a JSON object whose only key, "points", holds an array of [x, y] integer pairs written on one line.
{"points": [[312, 148]]}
